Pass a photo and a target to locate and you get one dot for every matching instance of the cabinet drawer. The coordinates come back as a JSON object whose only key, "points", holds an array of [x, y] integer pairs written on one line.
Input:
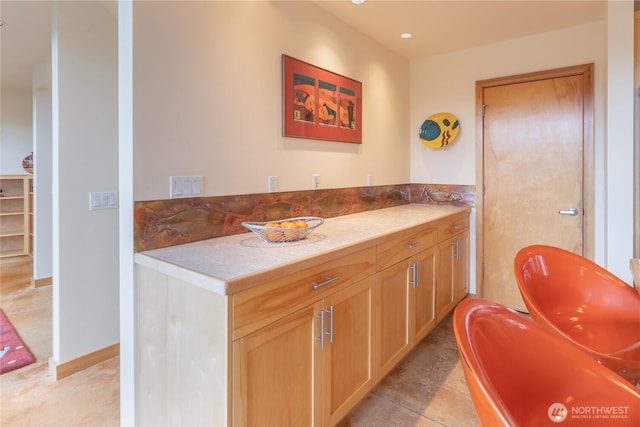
{"points": [[400, 248], [452, 226], [257, 307]]}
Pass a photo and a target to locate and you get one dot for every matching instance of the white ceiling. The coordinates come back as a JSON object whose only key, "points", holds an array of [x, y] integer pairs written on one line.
{"points": [[443, 26], [438, 26]]}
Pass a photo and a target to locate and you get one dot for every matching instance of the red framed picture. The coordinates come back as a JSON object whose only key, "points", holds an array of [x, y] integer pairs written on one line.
{"points": [[319, 104]]}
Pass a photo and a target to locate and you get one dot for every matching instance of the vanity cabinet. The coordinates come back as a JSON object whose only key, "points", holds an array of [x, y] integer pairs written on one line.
{"points": [[422, 280], [309, 367], [277, 372], [453, 265], [392, 317], [303, 342], [405, 298]]}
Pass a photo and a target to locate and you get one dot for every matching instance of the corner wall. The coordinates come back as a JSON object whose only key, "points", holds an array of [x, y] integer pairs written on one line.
{"points": [[85, 159]]}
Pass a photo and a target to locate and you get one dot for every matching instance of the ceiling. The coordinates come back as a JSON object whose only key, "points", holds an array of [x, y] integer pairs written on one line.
{"points": [[437, 26], [444, 26]]}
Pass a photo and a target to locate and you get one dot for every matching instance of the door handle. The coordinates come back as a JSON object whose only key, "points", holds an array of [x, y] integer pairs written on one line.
{"points": [[570, 211]]}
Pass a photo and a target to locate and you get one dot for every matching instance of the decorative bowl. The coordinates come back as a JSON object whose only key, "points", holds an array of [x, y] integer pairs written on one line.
{"points": [[285, 230], [27, 163]]}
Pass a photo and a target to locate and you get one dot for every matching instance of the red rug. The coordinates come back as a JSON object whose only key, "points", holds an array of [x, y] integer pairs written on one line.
{"points": [[14, 353]]}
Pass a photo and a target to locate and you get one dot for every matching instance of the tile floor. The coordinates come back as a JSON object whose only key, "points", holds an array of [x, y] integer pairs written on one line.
{"points": [[426, 389]]}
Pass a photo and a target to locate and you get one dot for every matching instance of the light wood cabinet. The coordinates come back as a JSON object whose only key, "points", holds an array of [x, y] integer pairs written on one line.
{"points": [[392, 317], [405, 310], [311, 366], [304, 343], [348, 370], [15, 215], [277, 372], [422, 278], [453, 265]]}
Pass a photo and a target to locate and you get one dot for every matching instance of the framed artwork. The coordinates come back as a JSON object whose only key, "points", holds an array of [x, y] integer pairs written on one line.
{"points": [[319, 104]]}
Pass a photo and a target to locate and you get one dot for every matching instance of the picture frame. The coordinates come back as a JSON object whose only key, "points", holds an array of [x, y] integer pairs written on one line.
{"points": [[320, 104]]}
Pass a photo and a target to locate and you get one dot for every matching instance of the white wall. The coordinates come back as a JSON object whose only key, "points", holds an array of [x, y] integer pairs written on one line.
{"points": [[208, 98], [619, 118], [42, 172], [85, 159], [16, 138]]}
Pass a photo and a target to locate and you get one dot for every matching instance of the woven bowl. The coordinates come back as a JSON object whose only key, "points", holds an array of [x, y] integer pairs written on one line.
{"points": [[281, 231]]}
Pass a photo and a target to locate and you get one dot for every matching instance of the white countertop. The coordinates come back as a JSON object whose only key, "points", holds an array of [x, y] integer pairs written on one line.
{"points": [[213, 263]]}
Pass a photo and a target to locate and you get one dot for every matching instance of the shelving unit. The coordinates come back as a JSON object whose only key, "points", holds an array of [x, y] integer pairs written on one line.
{"points": [[15, 215]]}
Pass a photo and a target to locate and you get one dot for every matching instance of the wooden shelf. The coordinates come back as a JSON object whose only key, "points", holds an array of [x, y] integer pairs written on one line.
{"points": [[15, 215]]}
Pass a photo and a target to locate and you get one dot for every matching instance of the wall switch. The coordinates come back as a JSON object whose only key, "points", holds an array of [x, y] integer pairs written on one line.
{"points": [[185, 186], [369, 180], [103, 200], [315, 181], [272, 184]]}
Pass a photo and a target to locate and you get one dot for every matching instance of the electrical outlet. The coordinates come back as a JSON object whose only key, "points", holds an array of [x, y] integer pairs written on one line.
{"points": [[315, 181], [272, 185], [369, 180]]}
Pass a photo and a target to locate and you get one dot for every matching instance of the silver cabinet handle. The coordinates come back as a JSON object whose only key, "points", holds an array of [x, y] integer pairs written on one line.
{"points": [[413, 281], [326, 282], [570, 211], [331, 324], [322, 333], [412, 245]]}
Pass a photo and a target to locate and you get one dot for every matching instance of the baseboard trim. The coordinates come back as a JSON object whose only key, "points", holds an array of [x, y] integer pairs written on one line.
{"points": [[38, 283], [78, 364]]}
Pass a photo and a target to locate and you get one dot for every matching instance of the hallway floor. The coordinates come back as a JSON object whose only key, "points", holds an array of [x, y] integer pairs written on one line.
{"points": [[426, 389], [30, 396]]}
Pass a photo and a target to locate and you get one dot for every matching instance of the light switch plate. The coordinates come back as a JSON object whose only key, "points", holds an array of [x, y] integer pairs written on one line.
{"points": [[185, 186], [272, 184], [103, 200]]}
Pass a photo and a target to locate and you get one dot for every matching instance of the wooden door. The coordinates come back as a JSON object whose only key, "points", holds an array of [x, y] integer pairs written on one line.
{"points": [[277, 373], [347, 359], [422, 279], [536, 141]]}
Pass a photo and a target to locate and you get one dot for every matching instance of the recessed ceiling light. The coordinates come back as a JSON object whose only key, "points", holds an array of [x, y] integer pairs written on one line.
{"points": [[406, 35], [357, 1]]}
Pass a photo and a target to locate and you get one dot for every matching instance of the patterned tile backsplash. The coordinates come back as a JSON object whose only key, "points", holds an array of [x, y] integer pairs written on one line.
{"points": [[170, 222]]}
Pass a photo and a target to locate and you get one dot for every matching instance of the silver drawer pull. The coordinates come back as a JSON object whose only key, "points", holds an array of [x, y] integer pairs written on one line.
{"points": [[457, 226], [326, 282], [412, 245]]}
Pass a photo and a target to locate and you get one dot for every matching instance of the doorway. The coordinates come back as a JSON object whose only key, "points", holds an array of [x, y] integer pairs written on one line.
{"points": [[535, 174]]}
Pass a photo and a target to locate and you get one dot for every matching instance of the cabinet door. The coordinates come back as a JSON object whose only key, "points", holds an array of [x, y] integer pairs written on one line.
{"points": [[453, 273], [444, 283], [348, 373], [392, 317], [461, 268], [277, 373], [422, 277]]}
